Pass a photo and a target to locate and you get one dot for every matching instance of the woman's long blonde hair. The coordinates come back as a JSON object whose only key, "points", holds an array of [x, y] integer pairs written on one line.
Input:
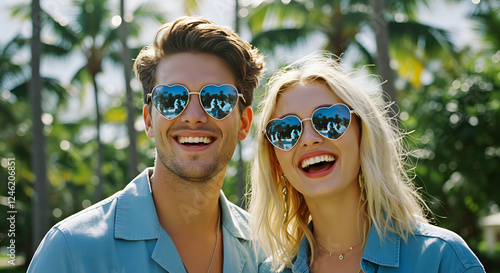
{"points": [[389, 201]]}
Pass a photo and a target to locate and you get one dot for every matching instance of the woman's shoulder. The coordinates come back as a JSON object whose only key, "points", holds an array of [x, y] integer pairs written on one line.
{"points": [[439, 235], [443, 244], [428, 249]]}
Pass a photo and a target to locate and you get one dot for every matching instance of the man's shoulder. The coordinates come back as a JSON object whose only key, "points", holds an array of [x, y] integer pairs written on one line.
{"points": [[100, 217], [84, 233], [90, 219]]}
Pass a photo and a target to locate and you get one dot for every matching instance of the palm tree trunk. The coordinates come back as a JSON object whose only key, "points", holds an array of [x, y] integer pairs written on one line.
{"points": [[240, 175], [133, 158], [379, 25], [40, 204], [98, 188]]}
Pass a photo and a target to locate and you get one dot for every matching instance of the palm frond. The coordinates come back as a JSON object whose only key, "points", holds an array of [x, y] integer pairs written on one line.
{"points": [[487, 24], [288, 37], [21, 90], [274, 15], [11, 73], [407, 7], [80, 79], [434, 41], [54, 86], [144, 15], [55, 50], [64, 33], [190, 7], [92, 16], [21, 11], [366, 57]]}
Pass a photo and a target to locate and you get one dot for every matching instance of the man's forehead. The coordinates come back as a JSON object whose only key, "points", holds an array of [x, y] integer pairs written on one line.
{"points": [[193, 69]]}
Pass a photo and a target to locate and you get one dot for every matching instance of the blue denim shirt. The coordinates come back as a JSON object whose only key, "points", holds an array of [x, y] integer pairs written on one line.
{"points": [[431, 249], [122, 234]]}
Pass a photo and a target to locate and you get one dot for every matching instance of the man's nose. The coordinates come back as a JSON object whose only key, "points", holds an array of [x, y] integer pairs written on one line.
{"points": [[194, 112]]}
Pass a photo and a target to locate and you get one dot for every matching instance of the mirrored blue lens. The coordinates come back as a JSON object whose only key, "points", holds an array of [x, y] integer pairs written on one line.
{"points": [[332, 122], [284, 133], [219, 101], [170, 100]]}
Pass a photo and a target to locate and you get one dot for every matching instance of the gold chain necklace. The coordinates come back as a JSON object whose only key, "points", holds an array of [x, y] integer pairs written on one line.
{"points": [[341, 255], [215, 248]]}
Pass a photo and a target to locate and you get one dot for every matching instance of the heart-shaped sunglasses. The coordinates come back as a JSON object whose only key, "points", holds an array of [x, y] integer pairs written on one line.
{"points": [[218, 101], [330, 122]]}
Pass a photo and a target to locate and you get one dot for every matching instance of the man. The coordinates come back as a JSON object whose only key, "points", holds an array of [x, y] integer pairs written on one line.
{"points": [[173, 217]]}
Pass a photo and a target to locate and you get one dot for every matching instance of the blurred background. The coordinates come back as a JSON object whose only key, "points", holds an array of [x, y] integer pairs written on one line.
{"points": [[70, 106]]}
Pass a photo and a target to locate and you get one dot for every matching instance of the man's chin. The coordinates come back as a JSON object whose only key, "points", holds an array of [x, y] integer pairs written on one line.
{"points": [[195, 172]]}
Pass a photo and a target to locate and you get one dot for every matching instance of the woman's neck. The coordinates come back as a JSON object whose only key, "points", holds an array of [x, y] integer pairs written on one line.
{"points": [[338, 221]]}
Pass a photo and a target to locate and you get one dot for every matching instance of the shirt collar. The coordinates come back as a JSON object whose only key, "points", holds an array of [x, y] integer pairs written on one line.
{"points": [[234, 219], [136, 217], [382, 250], [301, 261], [378, 251]]}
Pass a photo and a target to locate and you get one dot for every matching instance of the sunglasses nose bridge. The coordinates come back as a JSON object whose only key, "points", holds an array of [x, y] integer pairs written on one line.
{"points": [[194, 111], [309, 135]]}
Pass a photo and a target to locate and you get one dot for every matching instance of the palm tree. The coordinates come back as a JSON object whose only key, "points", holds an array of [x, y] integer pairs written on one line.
{"points": [[27, 84], [92, 34], [11, 73], [126, 59], [488, 24], [40, 200], [379, 25], [240, 174], [277, 24], [95, 39]]}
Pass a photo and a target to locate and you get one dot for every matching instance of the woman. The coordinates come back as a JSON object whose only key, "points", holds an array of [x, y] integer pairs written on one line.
{"points": [[340, 202]]}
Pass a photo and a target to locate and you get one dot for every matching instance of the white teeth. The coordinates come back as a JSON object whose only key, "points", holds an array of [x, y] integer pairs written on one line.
{"points": [[194, 140], [316, 159]]}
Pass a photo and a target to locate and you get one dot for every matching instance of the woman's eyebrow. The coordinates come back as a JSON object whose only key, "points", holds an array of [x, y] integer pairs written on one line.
{"points": [[293, 114]]}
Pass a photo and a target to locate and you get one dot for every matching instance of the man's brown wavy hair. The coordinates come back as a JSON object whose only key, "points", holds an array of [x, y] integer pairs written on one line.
{"points": [[198, 35]]}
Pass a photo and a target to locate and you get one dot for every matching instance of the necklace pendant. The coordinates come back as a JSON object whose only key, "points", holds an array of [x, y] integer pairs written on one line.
{"points": [[341, 257]]}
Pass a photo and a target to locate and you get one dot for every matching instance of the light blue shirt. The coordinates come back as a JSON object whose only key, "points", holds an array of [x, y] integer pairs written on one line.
{"points": [[431, 249], [122, 234]]}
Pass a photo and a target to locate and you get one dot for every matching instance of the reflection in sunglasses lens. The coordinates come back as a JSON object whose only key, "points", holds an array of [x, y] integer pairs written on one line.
{"points": [[217, 101], [170, 100], [284, 133], [330, 122], [333, 121]]}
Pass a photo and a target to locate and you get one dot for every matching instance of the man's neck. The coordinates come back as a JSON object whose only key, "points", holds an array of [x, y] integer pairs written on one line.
{"points": [[189, 212], [185, 206]]}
